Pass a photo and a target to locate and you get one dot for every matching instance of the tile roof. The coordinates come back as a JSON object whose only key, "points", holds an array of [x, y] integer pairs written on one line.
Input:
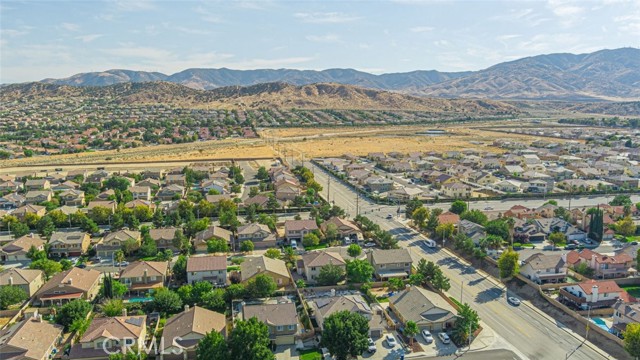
{"points": [[272, 314], [391, 256], [422, 306], [31, 337], [81, 279], [193, 320], [118, 327], [253, 265], [321, 258], [541, 261], [137, 269], [604, 286], [206, 263], [297, 225], [19, 276]]}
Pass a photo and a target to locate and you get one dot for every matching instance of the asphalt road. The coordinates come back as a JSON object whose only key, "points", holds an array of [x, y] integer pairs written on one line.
{"points": [[532, 334], [477, 355]]}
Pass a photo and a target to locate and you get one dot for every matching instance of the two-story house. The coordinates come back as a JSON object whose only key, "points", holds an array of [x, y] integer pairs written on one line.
{"points": [[281, 318], [114, 241], [12, 201], [297, 229], [64, 244], [30, 339], [140, 192], [37, 184], [604, 266], [29, 280], [17, 250], [542, 269], [323, 307], [259, 234], [143, 276], [593, 294], [274, 268], [217, 185], [209, 268], [378, 184], [346, 228], [176, 179], [165, 238], [72, 197], [72, 284], [38, 196], [312, 262], [624, 313], [171, 192], [182, 332], [29, 209], [118, 334], [394, 263], [111, 205], [212, 232], [472, 230]]}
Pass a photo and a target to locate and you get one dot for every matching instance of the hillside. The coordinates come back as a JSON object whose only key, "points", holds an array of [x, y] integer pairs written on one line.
{"points": [[274, 95]]}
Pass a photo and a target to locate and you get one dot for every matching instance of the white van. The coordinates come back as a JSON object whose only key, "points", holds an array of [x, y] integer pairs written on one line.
{"points": [[430, 243], [347, 240], [294, 245]]}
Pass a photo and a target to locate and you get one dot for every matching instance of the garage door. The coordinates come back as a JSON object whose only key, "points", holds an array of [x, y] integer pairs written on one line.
{"points": [[375, 333], [285, 340]]}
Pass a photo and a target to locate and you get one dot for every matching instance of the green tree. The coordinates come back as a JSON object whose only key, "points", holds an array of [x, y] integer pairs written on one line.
{"points": [[345, 334], [214, 300], [71, 311], [359, 271], [330, 275], [235, 291], [46, 227], [596, 224], [445, 231], [148, 247], [180, 269], [19, 230], [491, 242], [10, 295], [467, 319], [411, 330], [498, 227], [310, 240], [458, 207], [217, 245], [79, 326], [272, 202], [632, 339], [118, 257], [247, 246], [557, 238], [261, 286], [420, 216], [66, 264], [395, 284], [49, 267], [354, 250], [112, 307], [412, 205], [440, 281], [249, 340], [508, 263], [166, 302], [475, 216], [273, 253], [626, 226], [112, 288], [621, 200], [212, 347], [583, 268], [331, 232]]}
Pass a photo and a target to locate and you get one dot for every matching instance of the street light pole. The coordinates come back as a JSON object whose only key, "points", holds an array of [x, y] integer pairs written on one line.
{"points": [[461, 287]]}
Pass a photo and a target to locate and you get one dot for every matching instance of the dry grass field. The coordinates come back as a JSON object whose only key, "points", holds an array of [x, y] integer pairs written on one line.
{"points": [[316, 142]]}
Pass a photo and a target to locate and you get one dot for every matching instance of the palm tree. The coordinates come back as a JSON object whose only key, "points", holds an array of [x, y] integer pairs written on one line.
{"points": [[411, 330], [118, 257]]}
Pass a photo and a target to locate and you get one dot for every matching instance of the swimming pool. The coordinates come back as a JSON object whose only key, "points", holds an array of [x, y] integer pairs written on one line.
{"points": [[601, 323], [139, 299]]}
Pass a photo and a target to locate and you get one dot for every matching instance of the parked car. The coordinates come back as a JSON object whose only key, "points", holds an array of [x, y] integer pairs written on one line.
{"points": [[444, 338], [370, 244], [372, 346], [389, 216], [571, 247], [513, 300], [430, 243], [426, 335], [294, 245], [391, 341], [124, 263], [81, 265]]}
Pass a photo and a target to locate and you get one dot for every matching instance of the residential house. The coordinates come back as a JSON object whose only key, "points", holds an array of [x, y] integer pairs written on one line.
{"points": [[449, 218], [97, 177], [509, 186], [109, 194], [151, 183], [69, 243], [171, 192], [593, 294], [111, 205], [541, 268], [424, 307], [548, 226], [404, 193], [378, 184], [259, 200], [29, 280], [140, 192], [297, 229], [604, 266], [323, 307], [274, 268], [286, 191], [541, 185], [164, 238], [176, 179], [154, 174], [68, 285], [395, 263], [17, 250], [144, 276], [10, 186], [67, 185], [212, 232], [12, 201], [72, 197], [30, 339], [624, 313], [346, 228], [313, 261], [117, 334], [37, 184], [281, 318], [113, 242], [38, 196], [472, 230], [259, 234], [139, 202], [183, 331], [217, 185], [456, 190], [208, 268]]}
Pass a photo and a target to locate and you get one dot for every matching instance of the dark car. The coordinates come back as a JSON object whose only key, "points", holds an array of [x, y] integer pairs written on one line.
{"points": [[81, 265], [571, 247]]}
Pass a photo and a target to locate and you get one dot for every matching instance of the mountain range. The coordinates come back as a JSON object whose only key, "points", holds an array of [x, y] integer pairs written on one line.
{"points": [[601, 75]]}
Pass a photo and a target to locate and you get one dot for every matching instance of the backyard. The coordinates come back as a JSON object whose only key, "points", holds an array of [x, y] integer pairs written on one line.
{"points": [[633, 290]]}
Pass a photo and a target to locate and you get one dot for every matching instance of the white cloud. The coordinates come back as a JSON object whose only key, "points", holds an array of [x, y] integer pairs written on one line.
{"points": [[138, 52], [70, 26], [629, 23], [567, 10], [326, 17], [88, 38], [12, 32], [207, 15], [328, 38], [134, 5], [422, 29]]}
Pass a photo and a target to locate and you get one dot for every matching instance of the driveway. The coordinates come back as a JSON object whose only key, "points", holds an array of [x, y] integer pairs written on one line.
{"points": [[437, 347]]}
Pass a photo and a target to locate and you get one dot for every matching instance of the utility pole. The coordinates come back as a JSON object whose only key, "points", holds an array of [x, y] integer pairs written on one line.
{"points": [[461, 287], [328, 186], [357, 202]]}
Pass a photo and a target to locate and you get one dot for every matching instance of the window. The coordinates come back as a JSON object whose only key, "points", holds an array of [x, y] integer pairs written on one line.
{"points": [[279, 328], [292, 327], [129, 341]]}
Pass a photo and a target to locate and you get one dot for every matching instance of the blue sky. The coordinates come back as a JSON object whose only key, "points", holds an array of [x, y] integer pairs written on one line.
{"points": [[61, 38]]}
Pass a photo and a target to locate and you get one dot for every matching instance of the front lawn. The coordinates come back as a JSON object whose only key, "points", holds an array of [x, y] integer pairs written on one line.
{"points": [[233, 268], [312, 354], [633, 290], [382, 299], [316, 247]]}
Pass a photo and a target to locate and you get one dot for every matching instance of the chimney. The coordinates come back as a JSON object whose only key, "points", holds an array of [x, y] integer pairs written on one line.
{"points": [[124, 312], [146, 276], [10, 280], [39, 317], [32, 235], [407, 287], [594, 293], [564, 257], [186, 307], [593, 261]]}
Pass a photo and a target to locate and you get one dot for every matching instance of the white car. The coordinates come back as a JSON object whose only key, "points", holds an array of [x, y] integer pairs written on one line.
{"points": [[391, 341], [426, 335], [389, 216], [372, 346], [514, 300], [444, 338], [370, 244]]}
